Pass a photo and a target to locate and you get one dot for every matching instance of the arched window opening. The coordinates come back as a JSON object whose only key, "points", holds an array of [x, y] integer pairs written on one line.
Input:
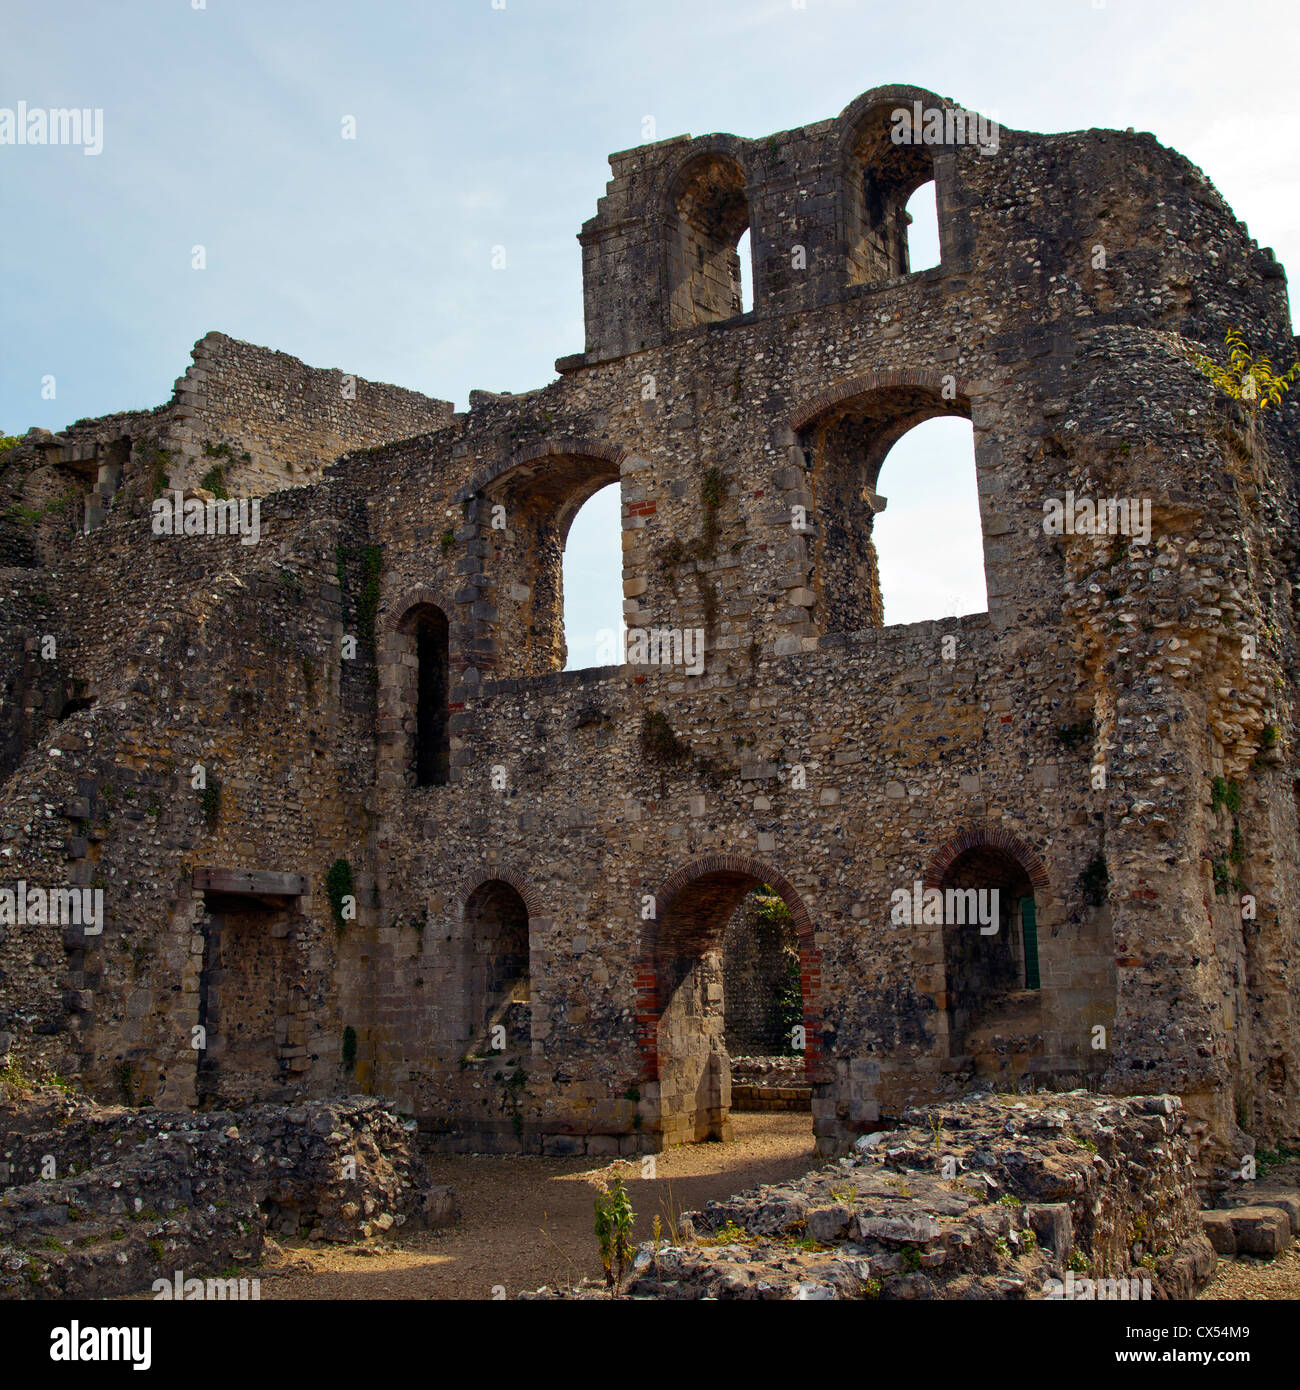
{"points": [[882, 178], [593, 584], [496, 918], [931, 558], [541, 498], [929, 543], [711, 216], [432, 742], [745, 254], [990, 950], [922, 218]]}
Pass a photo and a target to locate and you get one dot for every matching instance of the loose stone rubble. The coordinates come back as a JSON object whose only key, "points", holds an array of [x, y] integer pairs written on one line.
{"points": [[1062, 1196], [96, 1201]]}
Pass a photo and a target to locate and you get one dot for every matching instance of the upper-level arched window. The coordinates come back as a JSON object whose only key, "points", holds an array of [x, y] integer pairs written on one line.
{"points": [[883, 174], [710, 215]]}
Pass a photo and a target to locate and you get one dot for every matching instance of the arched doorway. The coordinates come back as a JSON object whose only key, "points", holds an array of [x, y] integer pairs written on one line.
{"points": [[992, 890], [498, 992], [682, 1007]]}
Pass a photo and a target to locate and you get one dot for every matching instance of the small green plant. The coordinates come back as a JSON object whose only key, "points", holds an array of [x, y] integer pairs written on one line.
{"points": [[1078, 1262], [1237, 850], [1247, 379], [872, 1288], [214, 481], [1008, 1199], [1267, 1159], [157, 1249], [447, 540], [729, 1234], [211, 803], [911, 1260], [339, 885], [372, 565], [614, 1218], [1000, 1247], [349, 1049], [1225, 794]]}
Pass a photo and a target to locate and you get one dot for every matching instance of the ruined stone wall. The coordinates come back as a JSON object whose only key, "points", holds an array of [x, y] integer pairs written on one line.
{"points": [[1077, 728], [290, 419]]}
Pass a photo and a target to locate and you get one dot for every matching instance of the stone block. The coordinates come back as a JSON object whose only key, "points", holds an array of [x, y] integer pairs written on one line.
{"points": [[1288, 1202], [1052, 1224], [1260, 1230]]}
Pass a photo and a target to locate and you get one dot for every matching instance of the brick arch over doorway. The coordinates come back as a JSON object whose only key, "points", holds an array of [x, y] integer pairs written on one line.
{"points": [[650, 1004], [991, 837], [392, 615], [471, 884]]}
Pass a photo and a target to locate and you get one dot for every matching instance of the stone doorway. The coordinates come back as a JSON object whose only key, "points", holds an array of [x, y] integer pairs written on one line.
{"points": [[683, 1018], [991, 967], [253, 1006]]}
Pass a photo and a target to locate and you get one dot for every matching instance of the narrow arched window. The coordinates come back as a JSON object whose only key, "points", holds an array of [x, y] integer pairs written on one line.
{"points": [[432, 745]]}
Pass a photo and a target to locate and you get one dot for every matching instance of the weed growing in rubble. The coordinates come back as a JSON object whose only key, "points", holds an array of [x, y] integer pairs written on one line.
{"points": [[728, 1234], [614, 1217], [1265, 1159]]}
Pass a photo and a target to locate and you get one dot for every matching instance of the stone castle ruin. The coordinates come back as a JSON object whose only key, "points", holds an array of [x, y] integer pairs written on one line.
{"points": [[356, 828]]}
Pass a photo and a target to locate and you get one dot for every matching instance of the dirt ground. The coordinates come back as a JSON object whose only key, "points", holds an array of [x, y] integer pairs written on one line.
{"points": [[526, 1222]]}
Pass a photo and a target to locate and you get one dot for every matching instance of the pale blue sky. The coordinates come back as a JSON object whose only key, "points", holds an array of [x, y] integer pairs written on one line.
{"points": [[480, 126]]}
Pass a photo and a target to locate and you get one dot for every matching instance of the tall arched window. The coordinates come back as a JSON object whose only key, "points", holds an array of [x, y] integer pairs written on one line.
{"points": [[593, 583], [882, 175], [432, 744], [711, 214], [931, 558]]}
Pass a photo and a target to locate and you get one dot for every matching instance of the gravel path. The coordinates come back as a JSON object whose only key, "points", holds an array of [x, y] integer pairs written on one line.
{"points": [[528, 1221]]}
